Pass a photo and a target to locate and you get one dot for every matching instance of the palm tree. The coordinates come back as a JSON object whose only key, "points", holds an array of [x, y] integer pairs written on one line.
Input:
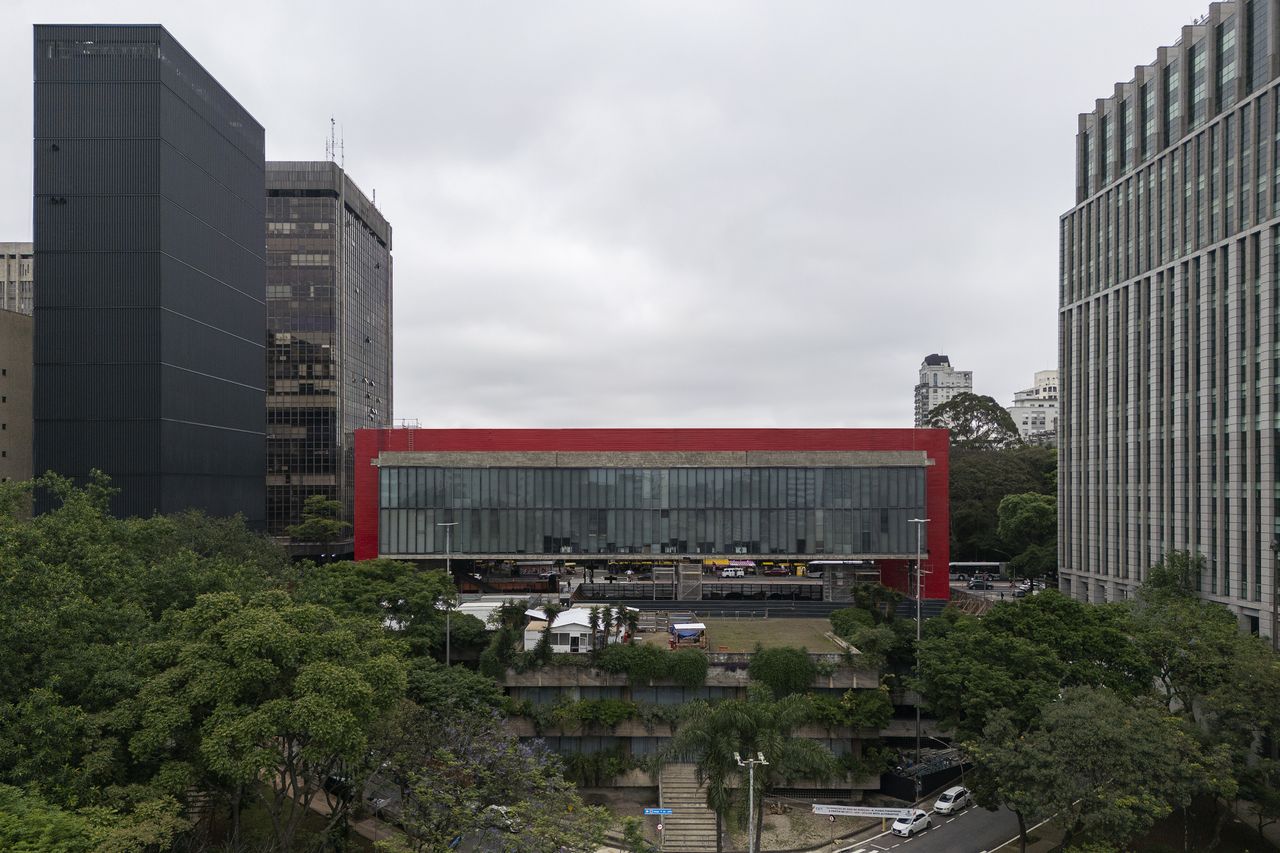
{"points": [[594, 626], [711, 734], [606, 623], [632, 618], [542, 651]]}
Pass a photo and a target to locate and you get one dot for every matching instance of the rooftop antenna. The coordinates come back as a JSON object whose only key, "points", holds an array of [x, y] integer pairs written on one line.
{"points": [[331, 144], [342, 149]]}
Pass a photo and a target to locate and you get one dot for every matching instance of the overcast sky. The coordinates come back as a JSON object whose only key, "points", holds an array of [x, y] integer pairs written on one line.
{"points": [[675, 213]]}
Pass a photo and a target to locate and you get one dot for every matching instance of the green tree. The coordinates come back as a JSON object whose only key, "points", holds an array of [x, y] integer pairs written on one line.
{"points": [[784, 670], [1106, 767], [1027, 524], [980, 480], [976, 422], [85, 596], [1030, 518], [409, 600], [460, 690], [633, 840], [711, 734], [30, 825], [1020, 657], [462, 775], [266, 699], [321, 521]]}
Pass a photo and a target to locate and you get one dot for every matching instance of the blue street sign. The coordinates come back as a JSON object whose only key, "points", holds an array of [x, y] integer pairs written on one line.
{"points": [[657, 811]]}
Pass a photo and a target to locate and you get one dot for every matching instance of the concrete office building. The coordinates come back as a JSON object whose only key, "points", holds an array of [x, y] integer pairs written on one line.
{"points": [[938, 384], [149, 289], [15, 277], [15, 396], [329, 325], [1035, 409], [1169, 321]]}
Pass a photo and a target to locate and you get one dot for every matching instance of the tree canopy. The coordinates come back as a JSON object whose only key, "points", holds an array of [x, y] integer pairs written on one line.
{"points": [[160, 677], [321, 521], [976, 422], [1108, 716], [980, 481]]}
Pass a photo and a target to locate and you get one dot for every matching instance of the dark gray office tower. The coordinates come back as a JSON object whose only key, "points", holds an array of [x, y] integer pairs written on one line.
{"points": [[149, 288], [329, 319]]}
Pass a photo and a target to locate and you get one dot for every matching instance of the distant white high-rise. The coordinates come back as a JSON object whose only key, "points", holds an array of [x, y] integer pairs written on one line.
{"points": [[938, 384], [1035, 409]]}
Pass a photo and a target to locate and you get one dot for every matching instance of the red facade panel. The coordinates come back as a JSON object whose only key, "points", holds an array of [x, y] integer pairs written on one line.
{"points": [[934, 442]]}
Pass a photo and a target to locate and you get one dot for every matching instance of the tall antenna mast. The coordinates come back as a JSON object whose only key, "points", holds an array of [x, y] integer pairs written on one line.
{"points": [[342, 149], [331, 144]]}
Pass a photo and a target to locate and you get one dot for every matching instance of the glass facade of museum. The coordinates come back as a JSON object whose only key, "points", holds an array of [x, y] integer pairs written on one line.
{"points": [[674, 510]]}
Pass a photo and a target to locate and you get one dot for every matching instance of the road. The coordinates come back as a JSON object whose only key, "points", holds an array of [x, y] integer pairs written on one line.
{"points": [[1001, 592], [973, 830]]}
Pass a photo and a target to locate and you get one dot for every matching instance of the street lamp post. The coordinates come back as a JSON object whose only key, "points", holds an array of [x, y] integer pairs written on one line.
{"points": [[950, 746], [919, 523], [750, 764], [448, 570]]}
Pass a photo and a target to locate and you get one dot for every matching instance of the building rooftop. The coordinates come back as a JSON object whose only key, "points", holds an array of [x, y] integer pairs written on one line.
{"points": [[741, 635]]}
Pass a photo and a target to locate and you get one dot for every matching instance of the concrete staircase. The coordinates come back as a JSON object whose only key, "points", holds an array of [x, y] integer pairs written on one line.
{"points": [[691, 826]]}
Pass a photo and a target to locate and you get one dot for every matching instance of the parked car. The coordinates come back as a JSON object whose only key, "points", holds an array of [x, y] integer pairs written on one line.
{"points": [[1020, 592], [909, 824], [980, 585], [953, 800], [732, 572], [776, 570]]}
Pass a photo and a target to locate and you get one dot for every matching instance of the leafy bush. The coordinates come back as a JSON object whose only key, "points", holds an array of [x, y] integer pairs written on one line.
{"points": [[784, 670], [594, 769], [860, 709], [642, 664], [604, 712], [847, 621], [687, 667], [867, 709]]}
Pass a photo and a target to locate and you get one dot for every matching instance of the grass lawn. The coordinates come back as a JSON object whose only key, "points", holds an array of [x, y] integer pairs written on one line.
{"points": [[741, 635]]}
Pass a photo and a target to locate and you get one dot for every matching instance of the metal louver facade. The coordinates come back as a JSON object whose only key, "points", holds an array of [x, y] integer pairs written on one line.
{"points": [[150, 307]]}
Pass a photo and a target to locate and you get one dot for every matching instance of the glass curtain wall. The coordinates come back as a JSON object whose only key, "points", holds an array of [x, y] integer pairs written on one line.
{"points": [[844, 511]]}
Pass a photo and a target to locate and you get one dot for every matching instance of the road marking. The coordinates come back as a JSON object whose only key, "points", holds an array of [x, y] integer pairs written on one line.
{"points": [[1016, 837]]}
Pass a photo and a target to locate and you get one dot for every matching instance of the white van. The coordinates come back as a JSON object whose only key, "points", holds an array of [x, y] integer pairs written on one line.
{"points": [[732, 572]]}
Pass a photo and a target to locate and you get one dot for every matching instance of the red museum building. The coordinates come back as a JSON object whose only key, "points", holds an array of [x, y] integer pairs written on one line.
{"points": [[845, 497]]}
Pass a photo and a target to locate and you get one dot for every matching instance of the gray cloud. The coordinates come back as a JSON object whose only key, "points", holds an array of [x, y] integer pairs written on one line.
{"points": [[688, 214]]}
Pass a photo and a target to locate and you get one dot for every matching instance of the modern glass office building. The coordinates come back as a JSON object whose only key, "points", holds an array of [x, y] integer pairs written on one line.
{"points": [[150, 315], [686, 494], [329, 286], [1169, 321]]}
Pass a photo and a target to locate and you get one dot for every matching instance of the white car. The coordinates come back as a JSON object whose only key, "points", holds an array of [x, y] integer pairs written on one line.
{"points": [[909, 824], [953, 800]]}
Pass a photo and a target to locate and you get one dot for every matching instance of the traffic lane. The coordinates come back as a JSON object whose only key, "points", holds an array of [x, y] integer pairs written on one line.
{"points": [[973, 830], [1001, 591]]}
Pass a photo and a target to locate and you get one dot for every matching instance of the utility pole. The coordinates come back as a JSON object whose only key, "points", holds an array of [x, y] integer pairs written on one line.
{"points": [[448, 571], [750, 764], [919, 523]]}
